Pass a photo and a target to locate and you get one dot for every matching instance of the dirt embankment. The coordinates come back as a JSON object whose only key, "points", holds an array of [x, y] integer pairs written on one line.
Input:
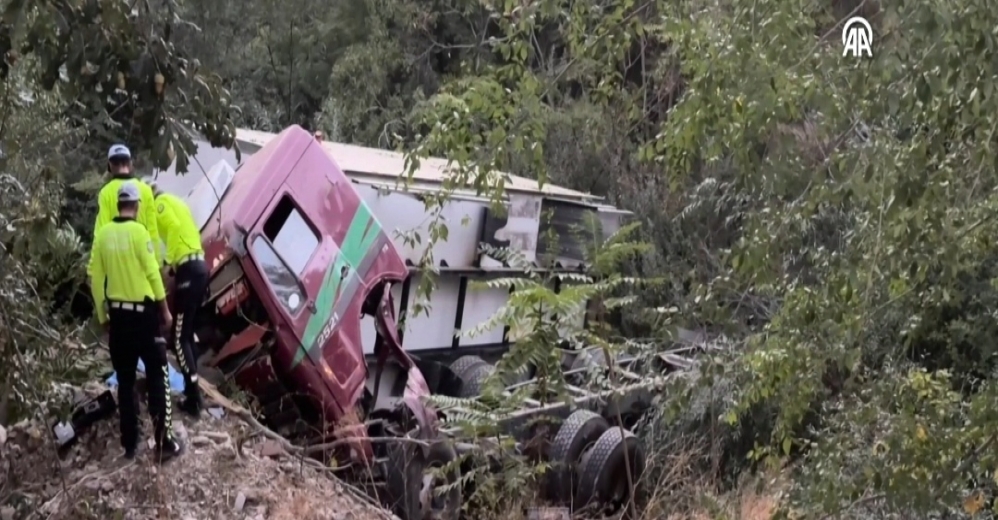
{"points": [[211, 481]]}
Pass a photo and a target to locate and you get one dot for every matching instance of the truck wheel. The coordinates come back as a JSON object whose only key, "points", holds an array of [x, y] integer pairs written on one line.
{"points": [[445, 506], [462, 365], [475, 380], [603, 470], [410, 488], [579, 431], [522, 376]]}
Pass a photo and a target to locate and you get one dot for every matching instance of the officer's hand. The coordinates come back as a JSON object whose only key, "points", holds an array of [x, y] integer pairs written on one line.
{"points": [[105, 329], [167, 318]]}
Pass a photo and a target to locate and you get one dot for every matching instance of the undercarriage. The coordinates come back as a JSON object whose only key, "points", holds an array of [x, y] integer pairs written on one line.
{"points": [[587, 440]]}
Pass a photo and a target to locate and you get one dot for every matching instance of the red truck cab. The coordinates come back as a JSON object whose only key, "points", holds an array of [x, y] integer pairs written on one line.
{"points": [[296, 260]]}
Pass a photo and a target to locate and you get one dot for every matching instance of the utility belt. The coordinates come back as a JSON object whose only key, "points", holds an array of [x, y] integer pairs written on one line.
{"points": [[139, 307], [193, 257]]}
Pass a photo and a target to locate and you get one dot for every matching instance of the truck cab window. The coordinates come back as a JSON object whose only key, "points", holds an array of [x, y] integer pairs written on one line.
{"points": [[282, 279], [293, 239]]}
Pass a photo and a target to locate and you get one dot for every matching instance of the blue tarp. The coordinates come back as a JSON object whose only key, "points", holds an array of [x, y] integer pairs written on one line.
{"points": [[176, 379]]}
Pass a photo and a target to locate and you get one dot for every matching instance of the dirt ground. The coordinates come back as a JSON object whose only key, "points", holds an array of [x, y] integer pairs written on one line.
{"points": [[209, 482]]}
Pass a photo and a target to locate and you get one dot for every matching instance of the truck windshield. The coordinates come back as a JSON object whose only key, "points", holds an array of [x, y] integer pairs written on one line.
{"points": [[282, 279], [204, 197]]}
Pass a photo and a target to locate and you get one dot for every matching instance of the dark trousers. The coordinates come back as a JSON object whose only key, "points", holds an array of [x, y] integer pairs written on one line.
{"points": [[191, 282], [132, 336]]}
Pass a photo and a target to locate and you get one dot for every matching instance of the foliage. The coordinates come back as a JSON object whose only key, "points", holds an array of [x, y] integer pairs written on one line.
{"points": [[38, 254], [76, 77], [36, 249], [118, 65], [867, 225], [836, 217], [119, 77], [855, 204]]}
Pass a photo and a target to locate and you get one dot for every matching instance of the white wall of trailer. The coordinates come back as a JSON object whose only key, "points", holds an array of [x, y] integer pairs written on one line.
{"points": [[399, 211], [402, 213]]}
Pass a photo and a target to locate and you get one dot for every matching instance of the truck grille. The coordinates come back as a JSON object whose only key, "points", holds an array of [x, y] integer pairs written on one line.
{"points": [[224, 279]]}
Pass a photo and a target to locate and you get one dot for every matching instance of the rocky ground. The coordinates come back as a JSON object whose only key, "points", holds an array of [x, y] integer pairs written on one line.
{"points": [[210, 481]]}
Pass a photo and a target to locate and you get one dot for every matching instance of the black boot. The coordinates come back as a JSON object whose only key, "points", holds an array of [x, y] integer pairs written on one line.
{"points": [[193, 403], [132, 449], [169, 449]]}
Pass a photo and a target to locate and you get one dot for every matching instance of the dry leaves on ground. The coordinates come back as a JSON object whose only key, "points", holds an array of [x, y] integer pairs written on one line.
{"points": [[209, 482]]}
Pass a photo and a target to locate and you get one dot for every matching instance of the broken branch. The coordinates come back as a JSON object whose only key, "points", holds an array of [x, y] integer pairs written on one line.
{"points": [[289, 448]]}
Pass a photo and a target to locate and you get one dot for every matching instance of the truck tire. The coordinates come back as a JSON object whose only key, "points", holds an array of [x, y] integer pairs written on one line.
{"points": [[441, 455], [404, 470], [579, 431], [462, 365], [603, 470], [475, 380], [521, 376]]}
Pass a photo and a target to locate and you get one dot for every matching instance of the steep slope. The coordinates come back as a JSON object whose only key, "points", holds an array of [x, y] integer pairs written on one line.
{"points": [[212, 480]]}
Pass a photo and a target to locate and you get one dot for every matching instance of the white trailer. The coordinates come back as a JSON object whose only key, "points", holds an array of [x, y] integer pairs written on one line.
{"points": [[470, 221]]}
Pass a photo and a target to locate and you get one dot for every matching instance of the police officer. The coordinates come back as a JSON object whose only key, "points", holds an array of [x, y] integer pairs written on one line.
{"points": [[185, 258], [130, 299], [119, 166]]}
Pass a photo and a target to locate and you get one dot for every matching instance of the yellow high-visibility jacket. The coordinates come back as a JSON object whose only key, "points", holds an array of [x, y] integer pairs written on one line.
{"points": [[124, 266], [107, 210], [177, 228]]}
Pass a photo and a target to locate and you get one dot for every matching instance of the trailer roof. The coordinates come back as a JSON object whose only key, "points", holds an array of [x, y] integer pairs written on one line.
{"points": [[383, 165]]}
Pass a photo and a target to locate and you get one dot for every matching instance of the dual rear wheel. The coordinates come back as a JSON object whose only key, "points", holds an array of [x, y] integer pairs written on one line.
{"points": [[590, 459]]}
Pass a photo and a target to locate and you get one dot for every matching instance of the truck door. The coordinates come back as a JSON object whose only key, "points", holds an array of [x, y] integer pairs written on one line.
{"points": [[294, 258]]}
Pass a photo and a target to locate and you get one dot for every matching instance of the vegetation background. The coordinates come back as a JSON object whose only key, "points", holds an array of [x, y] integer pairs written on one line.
{"points": [[835, 217]]}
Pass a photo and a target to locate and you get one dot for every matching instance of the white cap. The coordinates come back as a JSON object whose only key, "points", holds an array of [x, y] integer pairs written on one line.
{"points": [[128, 192], [119, 150]]}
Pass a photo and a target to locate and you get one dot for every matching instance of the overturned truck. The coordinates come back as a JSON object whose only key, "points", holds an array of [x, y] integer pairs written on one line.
{"points": [[298, 260]]}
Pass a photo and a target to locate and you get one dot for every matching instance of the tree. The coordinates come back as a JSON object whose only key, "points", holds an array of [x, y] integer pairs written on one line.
{"points": [[79, 75], [857, 198], [119, 68]]}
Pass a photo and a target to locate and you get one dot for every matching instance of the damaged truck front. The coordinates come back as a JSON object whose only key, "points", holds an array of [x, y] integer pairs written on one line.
{"points": [[296, 261]]}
